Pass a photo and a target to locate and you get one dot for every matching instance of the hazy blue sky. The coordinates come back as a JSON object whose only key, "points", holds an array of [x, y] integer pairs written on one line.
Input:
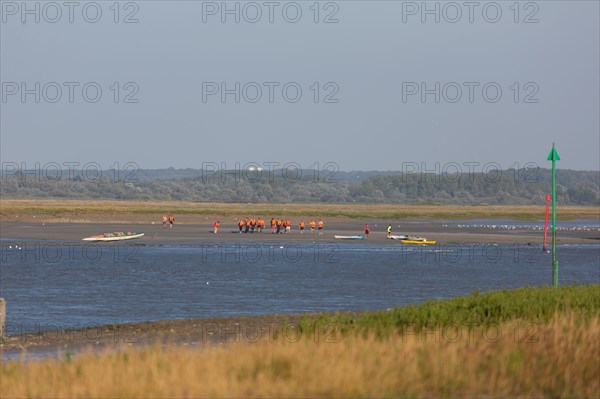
{"points": [[373, 61]]}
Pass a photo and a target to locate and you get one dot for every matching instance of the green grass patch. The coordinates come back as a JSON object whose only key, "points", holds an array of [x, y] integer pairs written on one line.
{"points": [[533, 305], [125, 209]]}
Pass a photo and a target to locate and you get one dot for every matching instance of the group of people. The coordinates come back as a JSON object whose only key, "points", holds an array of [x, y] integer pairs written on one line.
{"points": [[278, 225], [257, 225], [251, 225]]}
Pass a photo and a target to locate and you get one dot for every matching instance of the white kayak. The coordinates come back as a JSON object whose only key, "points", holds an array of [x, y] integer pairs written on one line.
{"points": [[415, 238], [116, 236], [350, 237], [397, 237]]}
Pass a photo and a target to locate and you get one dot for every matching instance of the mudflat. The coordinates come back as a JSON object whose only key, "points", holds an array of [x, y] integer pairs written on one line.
{"points": [[197, 233], [188, 332]]}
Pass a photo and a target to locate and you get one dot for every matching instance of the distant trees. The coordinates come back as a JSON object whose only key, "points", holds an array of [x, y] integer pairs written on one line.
{"points": [[584, 193], [504, 187]]}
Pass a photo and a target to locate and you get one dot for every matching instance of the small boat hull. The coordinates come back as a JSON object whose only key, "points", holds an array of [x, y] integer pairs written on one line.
{"points": [[116, 236], [350, 237]]}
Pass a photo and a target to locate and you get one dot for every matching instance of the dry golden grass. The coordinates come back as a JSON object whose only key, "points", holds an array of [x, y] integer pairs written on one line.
{"points": [[133, 211], [564, 362]]}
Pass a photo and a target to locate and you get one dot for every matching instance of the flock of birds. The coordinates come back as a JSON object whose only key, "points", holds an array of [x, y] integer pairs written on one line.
{"points": [[523, 227]]}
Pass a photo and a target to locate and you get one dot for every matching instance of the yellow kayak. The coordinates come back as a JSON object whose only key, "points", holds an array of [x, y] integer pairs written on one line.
{"points": [[421, 241]]}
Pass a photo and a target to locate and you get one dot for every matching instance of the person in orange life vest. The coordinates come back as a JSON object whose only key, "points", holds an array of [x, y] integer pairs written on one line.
{"points": [[241, 225], [171, 221], [301, 226], [272, 226], [278, 225], [366, 230], [312, 226], [320, 225], [165, 221], [247, 224], [216, 227]]}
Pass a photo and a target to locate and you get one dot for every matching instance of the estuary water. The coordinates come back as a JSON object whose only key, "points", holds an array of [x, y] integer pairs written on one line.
{"points": [[72, 285]]}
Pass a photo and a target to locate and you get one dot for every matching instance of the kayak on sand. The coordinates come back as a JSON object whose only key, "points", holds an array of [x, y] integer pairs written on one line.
{"points": [[413, 240], [350, 237], [418, 241], [397, 237]]}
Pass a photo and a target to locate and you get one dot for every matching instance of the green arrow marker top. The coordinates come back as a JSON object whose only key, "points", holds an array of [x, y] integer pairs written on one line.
{"points": [[553, 156]]}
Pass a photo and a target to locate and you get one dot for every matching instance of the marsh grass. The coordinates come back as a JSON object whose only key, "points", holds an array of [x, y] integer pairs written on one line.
{"points": [[140, 209], [534, 305], [562, 362]]}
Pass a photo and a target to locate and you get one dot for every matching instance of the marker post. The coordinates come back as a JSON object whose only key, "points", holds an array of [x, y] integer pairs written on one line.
{"points": [[553, 156], [546, 222]]}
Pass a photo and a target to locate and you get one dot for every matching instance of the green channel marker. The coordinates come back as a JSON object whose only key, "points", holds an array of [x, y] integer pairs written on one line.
{"points": [[553, 156]]}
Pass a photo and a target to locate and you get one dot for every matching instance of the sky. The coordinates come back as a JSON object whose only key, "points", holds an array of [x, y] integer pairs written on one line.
{"points": [[364, 85]]}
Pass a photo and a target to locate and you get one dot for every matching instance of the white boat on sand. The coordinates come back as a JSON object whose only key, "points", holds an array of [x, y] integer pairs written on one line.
{"points": [[116, 236], [349, 237], [397, 237]]}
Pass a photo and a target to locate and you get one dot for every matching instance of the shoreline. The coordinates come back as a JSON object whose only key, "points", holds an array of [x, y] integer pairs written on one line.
{"points": [[192, 332], [200, 233]]}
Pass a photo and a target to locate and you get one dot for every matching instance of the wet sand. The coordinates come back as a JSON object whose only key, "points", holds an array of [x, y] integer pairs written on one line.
{"points": [[186, 333], [197, 233]]}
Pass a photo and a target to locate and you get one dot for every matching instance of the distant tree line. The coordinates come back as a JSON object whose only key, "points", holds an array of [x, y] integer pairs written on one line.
{"points": [[512, 186]]}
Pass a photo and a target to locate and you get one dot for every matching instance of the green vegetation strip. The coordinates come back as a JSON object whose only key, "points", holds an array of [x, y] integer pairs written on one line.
{"points": [[534, 305], [81, 209]]}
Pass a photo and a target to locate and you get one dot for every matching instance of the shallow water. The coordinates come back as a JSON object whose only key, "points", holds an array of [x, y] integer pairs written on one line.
{"points": [[71, 285]]}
